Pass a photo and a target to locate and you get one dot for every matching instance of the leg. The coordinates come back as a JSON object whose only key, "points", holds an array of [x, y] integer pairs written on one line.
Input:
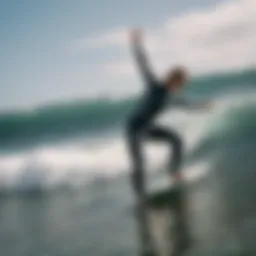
{"points": [[162, 134], [135, 153]]}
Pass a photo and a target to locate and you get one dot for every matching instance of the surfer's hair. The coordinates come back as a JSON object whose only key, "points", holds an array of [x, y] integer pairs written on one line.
{"points": [[177, 73]]}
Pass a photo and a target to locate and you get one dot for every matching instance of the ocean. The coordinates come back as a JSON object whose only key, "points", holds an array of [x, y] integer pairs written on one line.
{"points": [[64, 185]]}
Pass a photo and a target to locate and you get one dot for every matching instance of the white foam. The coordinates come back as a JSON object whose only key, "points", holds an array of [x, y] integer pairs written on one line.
{"points": [[72, 164], [61, 165]]}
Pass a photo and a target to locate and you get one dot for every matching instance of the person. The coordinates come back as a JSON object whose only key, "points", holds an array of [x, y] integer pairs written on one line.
{"points": [[141, 125], [157, 96]]}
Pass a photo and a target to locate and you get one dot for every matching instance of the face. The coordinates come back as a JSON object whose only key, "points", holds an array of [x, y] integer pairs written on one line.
{"points": [[178, 83]]}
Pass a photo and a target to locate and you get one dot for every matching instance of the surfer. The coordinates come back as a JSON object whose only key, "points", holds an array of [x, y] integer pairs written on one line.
{"points": [[141, 125], [157, 96]]}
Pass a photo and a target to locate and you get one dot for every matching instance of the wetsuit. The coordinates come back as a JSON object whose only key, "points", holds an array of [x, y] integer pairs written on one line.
{"points": [[141, 124]]}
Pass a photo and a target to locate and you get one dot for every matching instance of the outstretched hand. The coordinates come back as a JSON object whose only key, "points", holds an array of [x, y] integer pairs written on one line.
{"points": [[136, 35]]}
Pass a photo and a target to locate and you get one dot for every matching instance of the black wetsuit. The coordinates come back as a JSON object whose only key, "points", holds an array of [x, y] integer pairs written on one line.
{"points": [[141, 124]]}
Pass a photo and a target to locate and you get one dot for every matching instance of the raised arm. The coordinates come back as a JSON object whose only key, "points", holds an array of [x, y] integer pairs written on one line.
{"points": [[140, 57]]}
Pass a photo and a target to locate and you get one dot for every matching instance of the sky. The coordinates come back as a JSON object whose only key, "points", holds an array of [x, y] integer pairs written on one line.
{"points": [[55, 50]]}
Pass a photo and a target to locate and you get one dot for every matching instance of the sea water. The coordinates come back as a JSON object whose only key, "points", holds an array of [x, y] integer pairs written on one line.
{"points": [[64, 168]]}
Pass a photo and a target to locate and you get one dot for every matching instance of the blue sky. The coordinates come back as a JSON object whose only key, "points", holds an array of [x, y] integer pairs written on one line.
{"points": [[41, 62]]}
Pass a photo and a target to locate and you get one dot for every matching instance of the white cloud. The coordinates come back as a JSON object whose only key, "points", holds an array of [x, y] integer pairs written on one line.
{"points": [[219, 38], [108, 39]]}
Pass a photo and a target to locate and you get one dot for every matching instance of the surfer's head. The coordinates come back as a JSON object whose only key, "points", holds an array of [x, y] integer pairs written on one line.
{"points": [[176, 78]]}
